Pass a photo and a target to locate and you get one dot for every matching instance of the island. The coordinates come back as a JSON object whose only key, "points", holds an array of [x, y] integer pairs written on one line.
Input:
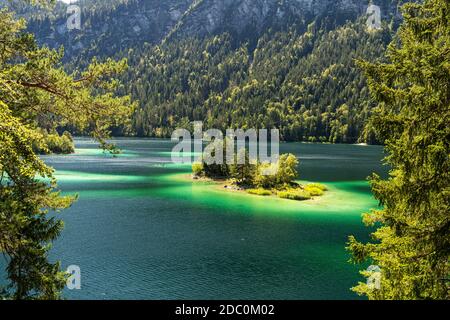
{"points": [[262, 179]]}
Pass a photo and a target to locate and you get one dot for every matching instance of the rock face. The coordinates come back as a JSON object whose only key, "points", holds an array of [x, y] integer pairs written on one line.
{"points": [[117, 25], [109, 28], [211, 16]]}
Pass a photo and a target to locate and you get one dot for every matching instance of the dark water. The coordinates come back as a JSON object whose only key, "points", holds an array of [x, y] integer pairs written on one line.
{"points": [[140, 230]]}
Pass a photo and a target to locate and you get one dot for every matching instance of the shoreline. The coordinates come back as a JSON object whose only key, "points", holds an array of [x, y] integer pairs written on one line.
{"points": [[150, 138], [223, 185]]}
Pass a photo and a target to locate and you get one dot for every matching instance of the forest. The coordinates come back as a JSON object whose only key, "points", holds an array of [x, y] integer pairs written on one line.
{"points": [[304, 82], [326, 80], [298, 74]]}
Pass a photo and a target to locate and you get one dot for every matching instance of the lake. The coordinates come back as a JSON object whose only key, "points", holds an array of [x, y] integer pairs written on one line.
{"points": [[140, 230]]}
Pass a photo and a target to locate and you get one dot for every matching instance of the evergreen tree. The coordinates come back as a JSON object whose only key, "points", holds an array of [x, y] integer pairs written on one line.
{"points": [[242, 170], [37, 94], [412, 243]]}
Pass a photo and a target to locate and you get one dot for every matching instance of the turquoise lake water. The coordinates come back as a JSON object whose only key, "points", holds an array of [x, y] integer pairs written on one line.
{"points": [[140, 230]]}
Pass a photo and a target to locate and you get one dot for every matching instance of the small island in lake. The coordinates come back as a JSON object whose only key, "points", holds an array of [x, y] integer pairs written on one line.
{"points": [[263, 179]]}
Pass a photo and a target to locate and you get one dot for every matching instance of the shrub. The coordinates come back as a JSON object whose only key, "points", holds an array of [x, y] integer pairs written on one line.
{"points": [[314, 191], [294, 194], [197, 169], [263, 178], [260, 192], [318, 186]]}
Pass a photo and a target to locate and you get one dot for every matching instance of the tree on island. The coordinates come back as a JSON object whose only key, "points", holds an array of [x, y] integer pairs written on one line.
{"points": [[277, 175], [412, 243], [263, 179], [246, 172], [242, 171], [37, 93]]}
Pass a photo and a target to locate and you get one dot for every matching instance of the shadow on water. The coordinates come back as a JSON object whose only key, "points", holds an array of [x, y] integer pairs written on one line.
{"points": [[142, 231]]}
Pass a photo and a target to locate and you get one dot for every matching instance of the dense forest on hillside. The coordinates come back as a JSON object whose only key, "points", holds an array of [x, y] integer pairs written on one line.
{"points": [[304, 82], [294, 71]]}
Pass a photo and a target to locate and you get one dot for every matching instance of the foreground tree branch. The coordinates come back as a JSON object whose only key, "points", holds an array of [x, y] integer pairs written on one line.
{"points": [[34, 86]]}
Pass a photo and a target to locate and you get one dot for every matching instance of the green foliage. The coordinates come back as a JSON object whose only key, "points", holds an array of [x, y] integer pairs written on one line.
{"points": [[259, 177], [287, 169], [303, 81], [294, 194], [314, 191], [217, 149], [260, 192], [242, 171], [54, 143], [266, 176], [37, 96], [24, 201], [277, 175], [197, 169], [317, 186], [412, 243], [297, 73]]}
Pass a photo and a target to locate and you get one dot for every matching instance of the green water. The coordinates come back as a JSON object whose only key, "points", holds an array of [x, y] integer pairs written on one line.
{"points": [[141, 230]]}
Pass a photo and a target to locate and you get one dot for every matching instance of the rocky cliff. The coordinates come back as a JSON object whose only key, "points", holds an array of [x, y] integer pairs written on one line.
{"points": [[108, 27]]}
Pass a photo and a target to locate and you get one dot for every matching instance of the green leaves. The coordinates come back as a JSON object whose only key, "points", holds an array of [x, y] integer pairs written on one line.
{"points": [[302, 80], [410, 246], [36, 97]]}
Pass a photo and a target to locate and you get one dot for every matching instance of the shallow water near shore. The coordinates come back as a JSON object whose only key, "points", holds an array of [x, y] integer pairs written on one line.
{"points": [[140, 230]]}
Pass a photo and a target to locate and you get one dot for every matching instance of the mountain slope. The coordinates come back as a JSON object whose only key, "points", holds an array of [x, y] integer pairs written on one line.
{"points": [[247, 63], [108, 27], [207, 17], [304, 83]]}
